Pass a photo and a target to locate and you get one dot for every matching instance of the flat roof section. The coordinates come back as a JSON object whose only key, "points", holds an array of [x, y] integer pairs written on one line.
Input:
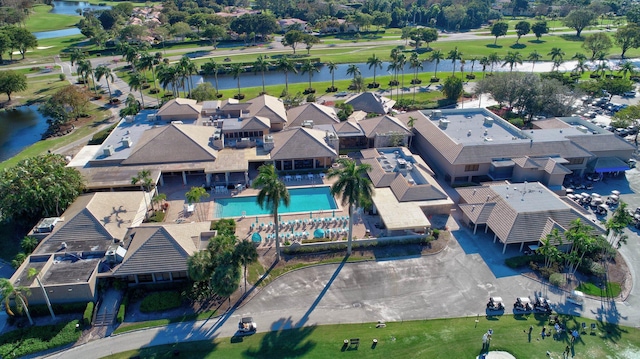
{"points": [[70, 272], [399, 215], [132, 130], [476, 126], [529, 197]]}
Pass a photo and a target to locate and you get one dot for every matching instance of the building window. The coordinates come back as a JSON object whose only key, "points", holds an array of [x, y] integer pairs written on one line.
{"points": [[576, 161], [471, 168]]}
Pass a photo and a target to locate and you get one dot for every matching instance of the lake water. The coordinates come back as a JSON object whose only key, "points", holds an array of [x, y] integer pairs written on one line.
{"points": [[56, 33], [71, 7], [19, 129]]}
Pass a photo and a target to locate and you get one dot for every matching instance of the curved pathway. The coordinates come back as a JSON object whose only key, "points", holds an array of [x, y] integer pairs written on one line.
{"points": [[453, 283]]}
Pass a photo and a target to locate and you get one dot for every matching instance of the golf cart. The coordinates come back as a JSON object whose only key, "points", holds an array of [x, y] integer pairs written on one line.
{"points": [[541, 305], [522, 304], [576, 297], [495, 303], [247, 325]]}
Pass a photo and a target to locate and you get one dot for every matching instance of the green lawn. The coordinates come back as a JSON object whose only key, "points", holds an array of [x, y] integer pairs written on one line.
{"points": [[442, 338], [612, 289], [41, 20], [127, 327]]}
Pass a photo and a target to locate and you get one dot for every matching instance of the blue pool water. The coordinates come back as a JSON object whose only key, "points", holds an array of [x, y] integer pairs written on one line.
{"points": [[302, 200]]}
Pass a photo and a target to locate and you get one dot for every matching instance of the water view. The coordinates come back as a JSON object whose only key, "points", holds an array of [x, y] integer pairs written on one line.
{"points": [[56, 33], [72, 7], [19, 129]]}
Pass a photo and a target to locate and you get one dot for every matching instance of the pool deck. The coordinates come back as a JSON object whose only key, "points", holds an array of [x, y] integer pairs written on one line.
{"points": [[246, 227]]}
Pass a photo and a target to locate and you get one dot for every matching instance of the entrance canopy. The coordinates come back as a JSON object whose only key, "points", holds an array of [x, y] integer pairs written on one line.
{"points": [[609, 164]]}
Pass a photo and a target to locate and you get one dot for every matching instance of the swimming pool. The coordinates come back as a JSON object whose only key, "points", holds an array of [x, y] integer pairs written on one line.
{"points": [[308, 199]]}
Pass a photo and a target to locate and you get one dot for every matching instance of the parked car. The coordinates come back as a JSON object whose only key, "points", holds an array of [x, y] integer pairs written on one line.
{"points": [[629, 94]]}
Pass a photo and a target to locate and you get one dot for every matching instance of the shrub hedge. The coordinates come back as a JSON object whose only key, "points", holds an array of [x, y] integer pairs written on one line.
{"points": [[558, 279], [224, 225], [100, 136], [41, 310], [161, 301], [343, 245], [521, 261], [30, 340], [88, 314], [122, 310]]}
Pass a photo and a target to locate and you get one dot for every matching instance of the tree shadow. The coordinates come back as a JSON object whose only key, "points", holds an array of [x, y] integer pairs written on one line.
{"points": [[536, 41], [494, 46], [568, 37], [281, 342], [518, 46]]}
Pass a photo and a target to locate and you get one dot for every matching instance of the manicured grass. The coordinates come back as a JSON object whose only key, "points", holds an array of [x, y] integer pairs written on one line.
{"points": [[25, 341], [160, 301], [41, 20], [612, 289], [441, 338], [127, 327]]}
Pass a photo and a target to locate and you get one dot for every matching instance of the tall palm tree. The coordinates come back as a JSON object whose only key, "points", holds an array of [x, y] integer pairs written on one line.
{"points": [[473, 62], [33, 273], [143, 178], [353, 185], [236, 70], [578, 56], [556, 64], [84, 71], [402, 60], [493, 59], [261, 64], [148, 62], [581, 67], [332, 66], [76, 56], [556, 53], [512, 58], [195, 195], [357, 84], [8, 291], [436, 56], [167, 75], [285, 65], [245, 253], [310, 69], [273, 192], [104, 71], [136, 81], [484, 61], [454, 55], [187, 68], [353, 70], [376, 63], [534, 57], [211, 67], [626, 68], [415, 64]]}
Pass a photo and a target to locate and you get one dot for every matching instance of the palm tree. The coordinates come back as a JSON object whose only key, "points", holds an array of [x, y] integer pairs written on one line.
{"points": [[354, 186], [285, 65], [484, 61], [512, 58], [357, 84], [436, 56], [578, 56], [402, 60], [236, 70], [261, 64], [143, 178], [85, 70], [136, 81], [195, 195], [627, 67], [33, 273], [332, 66], [534, 57], [581, 67], [187, 68], [493, 59], [167, 75], [273, 192], [556, 53], [104, 71], [376, 63], [76, 56], [245, 253], [211, 67], [7, 291], [353, 70], [556, 64], [28, 244], [454, 55], [309, 68], [148, 62], [416, 64], [157, 199]]}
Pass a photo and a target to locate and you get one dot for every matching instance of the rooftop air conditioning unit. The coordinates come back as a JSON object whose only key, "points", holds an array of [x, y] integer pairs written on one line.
{"points": [[582, 129], [443, 124], [108, 151], [488, 121], [436, 114], [126, 142], [129, 118], [268, 138]]}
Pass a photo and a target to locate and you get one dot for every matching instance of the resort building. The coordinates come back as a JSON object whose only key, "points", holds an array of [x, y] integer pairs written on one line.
{"points": [[519, 213], [405, 192], [371, 102], [474, 145]]}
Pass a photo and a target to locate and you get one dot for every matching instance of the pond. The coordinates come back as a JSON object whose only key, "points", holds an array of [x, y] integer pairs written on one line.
{"points": [[72, 7], [20, 128], [56, 33]]}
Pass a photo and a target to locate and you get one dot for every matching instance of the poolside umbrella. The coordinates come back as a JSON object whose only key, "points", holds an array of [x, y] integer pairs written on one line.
{"points": [[256, 219], [310, 214], [333, 214], [256, 238], [318, 233]]}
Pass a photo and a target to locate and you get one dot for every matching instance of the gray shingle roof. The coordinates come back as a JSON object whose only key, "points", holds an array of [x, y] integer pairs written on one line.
{"points": [[301, 142], [157, 249], [602, 142], [319, 114], [267, 106], [172, 144], [180, 106], [383, 124], [371, 102]]}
